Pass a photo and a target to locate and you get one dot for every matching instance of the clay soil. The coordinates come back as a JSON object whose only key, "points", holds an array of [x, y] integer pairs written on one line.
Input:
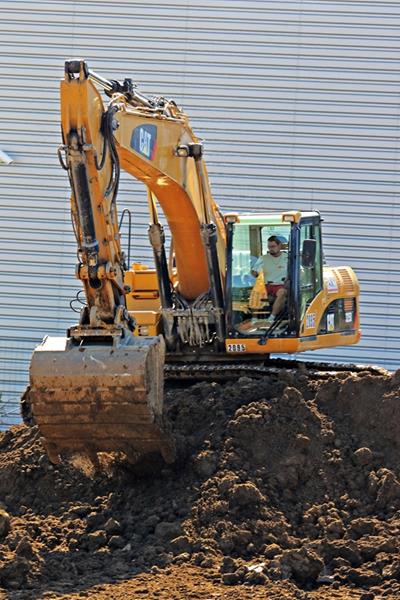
{"points": [[285, 487]]}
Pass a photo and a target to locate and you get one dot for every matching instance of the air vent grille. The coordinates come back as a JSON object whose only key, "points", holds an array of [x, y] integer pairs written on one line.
{"points": [[346, 279]]}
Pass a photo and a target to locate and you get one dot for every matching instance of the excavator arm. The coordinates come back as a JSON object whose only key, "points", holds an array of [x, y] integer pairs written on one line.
{"points": [[153, 142], [100, 388], [92, 164]]}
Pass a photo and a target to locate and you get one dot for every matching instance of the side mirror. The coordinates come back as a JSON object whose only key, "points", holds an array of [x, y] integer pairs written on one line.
{"points": [[308, 253]]}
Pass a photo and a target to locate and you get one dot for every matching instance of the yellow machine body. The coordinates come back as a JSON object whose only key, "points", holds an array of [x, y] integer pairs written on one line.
{"points": [[100, 388]]}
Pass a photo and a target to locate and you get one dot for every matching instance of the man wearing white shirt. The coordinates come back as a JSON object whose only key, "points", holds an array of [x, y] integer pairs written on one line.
{"points": [[274, 267]]}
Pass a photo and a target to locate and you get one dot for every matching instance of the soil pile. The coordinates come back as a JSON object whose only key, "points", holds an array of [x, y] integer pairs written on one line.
{"points": [[281, 481]]}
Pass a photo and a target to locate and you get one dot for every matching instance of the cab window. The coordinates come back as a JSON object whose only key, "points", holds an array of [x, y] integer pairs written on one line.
{"points": [[251, 306], [310, 270]]}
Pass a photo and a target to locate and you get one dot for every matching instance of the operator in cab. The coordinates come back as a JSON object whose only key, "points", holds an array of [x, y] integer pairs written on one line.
{"points": [[274, 266]]}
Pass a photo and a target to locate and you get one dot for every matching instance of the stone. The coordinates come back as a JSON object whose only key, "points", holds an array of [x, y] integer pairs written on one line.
{"points": [[335, 529], [373, 545], [207, 562], [149, 552], [389, 488], [94, 521], [181, 544], [24, 548], [255, 578], [245, 494], [182, 558], [228, 565], [392, 571], [96, 540], [5, 523], [226, 544], [116, 542], [80, 510], [231, 578], [112, 527], [168, 531], [364, 577], [326, 579], [362, 526], [271, 550], [304, 564], [152, 521], [205, 463], [302, 442], [348, 550], [13, 573], [73, 543], [363, 456]]}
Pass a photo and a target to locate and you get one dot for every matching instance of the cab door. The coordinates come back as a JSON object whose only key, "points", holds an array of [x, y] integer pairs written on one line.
{"points": [[310, 281]]}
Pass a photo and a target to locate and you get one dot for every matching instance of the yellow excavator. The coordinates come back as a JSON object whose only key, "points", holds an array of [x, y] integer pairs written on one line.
{"points": [[206, 302]]}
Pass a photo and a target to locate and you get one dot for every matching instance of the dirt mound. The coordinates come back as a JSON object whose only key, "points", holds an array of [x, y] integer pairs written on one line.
{"points": [[280, 480]]}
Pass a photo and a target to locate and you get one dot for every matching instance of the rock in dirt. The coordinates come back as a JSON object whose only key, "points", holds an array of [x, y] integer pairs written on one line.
{"points": [[205, 463], [112, 527], [303, 564], [5, 523], [25, 548], [14, 572], [96, 540], [245, 495], [167, 530], [182, 544], [363, 456], [116, 541]]}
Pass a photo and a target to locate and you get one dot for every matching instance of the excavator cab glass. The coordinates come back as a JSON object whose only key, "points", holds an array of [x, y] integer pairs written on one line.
{"points": [[310, 270], [253, 283], [269, 255]]}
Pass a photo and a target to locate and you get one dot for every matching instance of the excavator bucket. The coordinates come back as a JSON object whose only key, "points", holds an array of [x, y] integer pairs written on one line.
{"points": [[97, 398]]}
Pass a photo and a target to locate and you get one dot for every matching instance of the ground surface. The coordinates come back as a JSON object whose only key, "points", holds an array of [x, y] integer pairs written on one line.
{"points": [[286, 488]]}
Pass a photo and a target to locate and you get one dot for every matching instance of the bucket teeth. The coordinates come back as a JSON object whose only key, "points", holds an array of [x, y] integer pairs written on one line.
{"points": [[99, 398]]}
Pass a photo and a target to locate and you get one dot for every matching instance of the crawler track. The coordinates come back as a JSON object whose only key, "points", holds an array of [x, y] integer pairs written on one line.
{"points": [[226, 371]]}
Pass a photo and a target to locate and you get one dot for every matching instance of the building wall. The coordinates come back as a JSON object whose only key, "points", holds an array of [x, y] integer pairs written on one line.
{"points": [[297, 103]]}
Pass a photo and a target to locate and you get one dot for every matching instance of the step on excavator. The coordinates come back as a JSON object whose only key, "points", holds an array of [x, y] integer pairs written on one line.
{"points": [[209, 302]]}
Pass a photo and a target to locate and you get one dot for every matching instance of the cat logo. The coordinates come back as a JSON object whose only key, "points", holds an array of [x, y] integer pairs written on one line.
{"points": [[144, 140]]}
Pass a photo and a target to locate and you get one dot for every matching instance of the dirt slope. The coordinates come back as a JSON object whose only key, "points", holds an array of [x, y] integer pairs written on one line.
{"points": [[285, 488]]}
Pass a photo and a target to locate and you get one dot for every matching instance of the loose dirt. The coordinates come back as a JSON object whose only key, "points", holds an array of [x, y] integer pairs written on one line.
{"points": [[285, 488]]}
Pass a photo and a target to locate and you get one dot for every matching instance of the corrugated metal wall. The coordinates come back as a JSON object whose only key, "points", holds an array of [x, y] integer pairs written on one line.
{"points": [[298, 103]]}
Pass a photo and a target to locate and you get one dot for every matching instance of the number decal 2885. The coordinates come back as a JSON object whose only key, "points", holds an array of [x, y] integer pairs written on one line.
{"points": [[236, 348]]}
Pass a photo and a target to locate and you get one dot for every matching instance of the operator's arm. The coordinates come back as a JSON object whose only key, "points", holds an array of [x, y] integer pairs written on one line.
{"points": [[257, 267]]}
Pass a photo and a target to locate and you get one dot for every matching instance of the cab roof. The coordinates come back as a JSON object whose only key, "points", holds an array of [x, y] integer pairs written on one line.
{"points": [[271, 218]]}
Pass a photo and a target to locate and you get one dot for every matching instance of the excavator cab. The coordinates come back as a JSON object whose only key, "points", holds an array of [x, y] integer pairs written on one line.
{"points": [[321, 304]]}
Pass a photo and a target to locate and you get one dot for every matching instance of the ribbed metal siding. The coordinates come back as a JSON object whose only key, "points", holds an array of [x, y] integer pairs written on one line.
{"points": [[297, 102]]}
